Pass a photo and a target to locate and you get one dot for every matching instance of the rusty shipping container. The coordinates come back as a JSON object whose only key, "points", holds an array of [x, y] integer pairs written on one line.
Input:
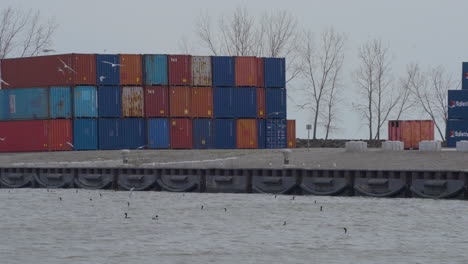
{"points": [[202, 102], [261, 103], [133, 102], [55, 70], [260, 73], [410, 132], [180, 69], [156, 101], [246, 71], [180, 101], [131, 71], [60, 135], [291, 133], [247, 134], [201, 71], [181, 133]]}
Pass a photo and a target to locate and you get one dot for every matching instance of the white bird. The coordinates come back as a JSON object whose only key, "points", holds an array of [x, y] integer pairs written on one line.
{"points": [[70, 144], [334, 164], [2, 81], [112, 64], [65, 66], [141, 147], [131, 191], [2, 139], [101, 78], [61, 70]]}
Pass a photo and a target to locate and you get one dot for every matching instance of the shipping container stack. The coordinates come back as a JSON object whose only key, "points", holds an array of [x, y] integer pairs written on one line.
{"points": [[457, 124], [130, 101]]}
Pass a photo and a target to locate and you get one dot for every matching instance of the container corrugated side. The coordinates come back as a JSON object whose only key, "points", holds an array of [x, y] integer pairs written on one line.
{"points": [[247, 134], [223, 71], [109, 132], [60, 102], [133, 131], [131, 71], [156, 101], [457, 130], [276, 131], [224, 134], [24, 104], [246, 71], [158, 133], [203, 133], [85, 134], [427, 130], [180, 101], [85, 101], [261, 103], [261, 130], [202, 102], [155, 69], [180, 69], [245, 102], [181, 133], [22, 136], [110, 101], [394, 130], [275, 72], [275, 101], [291, 133], [260, 73], [84, 66], [201, 71], [60, 135], [133, 102], [106, 73], [223, 101], [458, 104]]}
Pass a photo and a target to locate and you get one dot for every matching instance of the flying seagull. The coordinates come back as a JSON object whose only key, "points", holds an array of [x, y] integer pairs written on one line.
{"points": [[2, 81], [112, 64], [65, 66], [2, 139], [61, 70], [70, 144], [101, 78]]}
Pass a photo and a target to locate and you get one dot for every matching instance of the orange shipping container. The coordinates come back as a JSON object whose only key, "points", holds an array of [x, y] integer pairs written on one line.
{"points": [[246, 134], [246, 71], [130, 72], [291, 133], [411, 132], [133, 102], [260, 102], [260, 73], [202, 102], [60, 135], [180, 101]]}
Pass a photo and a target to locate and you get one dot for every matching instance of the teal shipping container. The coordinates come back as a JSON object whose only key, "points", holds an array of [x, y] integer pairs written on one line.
{"points": [[85, 103], [155, 69], [60, 102], [85, 134], [24, 104], [158, 133]]}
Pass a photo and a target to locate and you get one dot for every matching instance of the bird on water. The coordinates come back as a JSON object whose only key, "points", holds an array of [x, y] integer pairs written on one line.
{"points": [[345, 230], [321, 208], [225, 210], [126, 216], [284, 223], [155, 217], [201, 208]]}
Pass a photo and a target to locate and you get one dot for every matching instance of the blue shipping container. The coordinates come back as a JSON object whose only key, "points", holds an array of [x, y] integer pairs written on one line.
{"points": [[457, 130], [109, 134], [223, 71], [155, 69], [110, 101], [458, 104], [223, 100], [107, 69], [85, 134], [85, 102], [203, 133], [224, 136], [261, 133], [133, 131], [24, 104], [245, 102], [276, 133], [275, 100], [158, 133], [465, 75], [275, 72], [60, 102]]}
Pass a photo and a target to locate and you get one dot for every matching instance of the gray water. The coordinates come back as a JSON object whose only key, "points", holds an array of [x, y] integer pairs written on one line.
{"points": [[36, 227]]}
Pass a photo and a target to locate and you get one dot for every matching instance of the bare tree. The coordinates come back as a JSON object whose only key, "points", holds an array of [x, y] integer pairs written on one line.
{"points": [[374, 82], [332, 100], [322, 66], [24, 33], [407, 100]]}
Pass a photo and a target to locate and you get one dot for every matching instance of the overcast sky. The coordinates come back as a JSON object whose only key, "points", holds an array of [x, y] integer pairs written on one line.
{"points": [[429, 32]]}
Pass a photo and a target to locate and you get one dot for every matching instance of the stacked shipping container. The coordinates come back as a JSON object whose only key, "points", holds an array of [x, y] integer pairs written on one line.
{"points": [[213, 102], [457, 124]]}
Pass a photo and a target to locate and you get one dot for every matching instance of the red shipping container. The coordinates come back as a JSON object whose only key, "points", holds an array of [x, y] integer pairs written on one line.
{"points": [[260, 73], [60, 135], [180, 101], [156, 101], [291, 133], [131, 71], [181, 133], [202, 102], [246, 71], [411, 132], [55, 70], [180, 69], [246, 134], [260, 102]]}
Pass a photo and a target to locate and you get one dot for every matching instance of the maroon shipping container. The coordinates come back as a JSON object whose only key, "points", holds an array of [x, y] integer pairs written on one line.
{"points": [[55, 70], [60, 135], [410, 132], [260, 102], [181, 133], [260, 73], [246, 71], [180, 101], [131, 71], [202, 102], [156, 101], [291, 133], [180, 69]]}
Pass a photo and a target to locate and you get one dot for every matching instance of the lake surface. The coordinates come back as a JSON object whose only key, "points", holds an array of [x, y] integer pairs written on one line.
{"points": [[85, 227]]}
